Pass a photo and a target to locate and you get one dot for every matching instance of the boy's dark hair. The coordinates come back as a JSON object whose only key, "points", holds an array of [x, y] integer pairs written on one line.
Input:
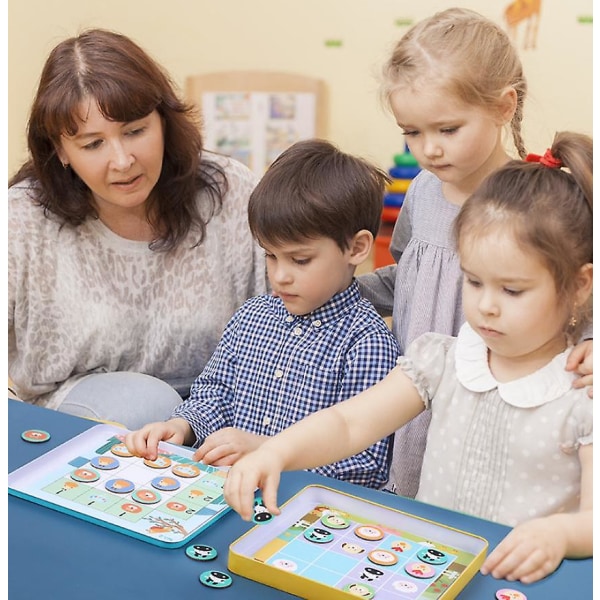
{"points": [[312, 190]]}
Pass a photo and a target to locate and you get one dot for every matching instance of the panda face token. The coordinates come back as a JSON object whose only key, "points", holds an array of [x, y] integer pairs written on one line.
{"points": [[215, 579], [201, 552], [432, 556], [318, 536]]}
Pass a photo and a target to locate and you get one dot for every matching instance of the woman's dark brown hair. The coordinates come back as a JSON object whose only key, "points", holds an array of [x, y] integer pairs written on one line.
{"points": [[127, 84]]}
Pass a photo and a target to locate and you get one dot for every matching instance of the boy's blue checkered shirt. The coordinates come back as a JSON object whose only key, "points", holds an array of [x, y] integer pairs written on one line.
{"points": [[272, 368]]}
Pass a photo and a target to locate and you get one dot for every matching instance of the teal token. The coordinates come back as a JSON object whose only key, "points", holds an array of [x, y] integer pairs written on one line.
{"points": [[201, 552], [36, 436], [215, 579]]}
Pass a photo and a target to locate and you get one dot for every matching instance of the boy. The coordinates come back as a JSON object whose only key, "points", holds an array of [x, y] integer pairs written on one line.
{"points": [[313, 342]]}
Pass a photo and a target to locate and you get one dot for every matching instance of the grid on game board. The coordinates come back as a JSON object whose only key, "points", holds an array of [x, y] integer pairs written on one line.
{"points": [[344, 560], [92, 476]]}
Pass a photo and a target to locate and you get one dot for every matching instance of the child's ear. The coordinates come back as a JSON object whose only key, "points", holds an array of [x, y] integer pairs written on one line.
{"points": [[585, 283], [508, 104], [360, 247]]}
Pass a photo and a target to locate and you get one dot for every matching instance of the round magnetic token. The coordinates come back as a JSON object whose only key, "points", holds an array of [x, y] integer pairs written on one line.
{"points": [[334, 521], [119, 486], [120, 450], [318, 536], [166, 484], [146, 496], [382, 557], [35, 436], [419, 570], [508, 594], [106, 463], [185, 470], [261, 514], [432, 556], [360, 589], [85, 475], [215, 579], [201, 552], [369, 532], [161, 462]]}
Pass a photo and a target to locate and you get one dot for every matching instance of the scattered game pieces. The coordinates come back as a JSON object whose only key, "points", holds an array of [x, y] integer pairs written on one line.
{"points": [[508, 594], [325, 539], [261, 514], [215, 579], [35, 436], [94, 477], [201, 552]]}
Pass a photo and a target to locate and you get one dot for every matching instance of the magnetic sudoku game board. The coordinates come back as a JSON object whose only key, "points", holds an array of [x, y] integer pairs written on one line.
{"points": [[329, 544], [92, 476]]}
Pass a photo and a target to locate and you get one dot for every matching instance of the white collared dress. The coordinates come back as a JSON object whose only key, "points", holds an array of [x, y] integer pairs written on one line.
{"points": [[506, 452]]}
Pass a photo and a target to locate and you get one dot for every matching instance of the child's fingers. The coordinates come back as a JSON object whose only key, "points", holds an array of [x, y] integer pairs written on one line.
{"points": [[269, 494], [219, 456]]}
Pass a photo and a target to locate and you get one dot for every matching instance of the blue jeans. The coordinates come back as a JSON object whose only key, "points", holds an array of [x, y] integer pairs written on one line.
{"points": [[131, 399]]}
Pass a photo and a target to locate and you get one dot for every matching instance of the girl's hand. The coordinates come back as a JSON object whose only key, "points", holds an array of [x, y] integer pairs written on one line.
{"points": [[529, 552], [226, 446], [144, 441], [259, 469], [581, 361]]}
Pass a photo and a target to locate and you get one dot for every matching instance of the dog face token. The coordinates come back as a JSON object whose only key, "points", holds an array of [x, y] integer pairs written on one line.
{"points": [[335, 522], [382, 557], [215, 579], [369, 532], [200, 552], [432, 556], [362, 590], [35, 436], [507, 594]]}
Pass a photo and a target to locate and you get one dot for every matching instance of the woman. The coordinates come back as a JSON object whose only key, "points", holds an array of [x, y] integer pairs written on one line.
{"points": [[129, 248]]}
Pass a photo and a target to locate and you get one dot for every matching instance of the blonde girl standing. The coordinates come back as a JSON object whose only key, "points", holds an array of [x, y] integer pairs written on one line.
{"points": [[454, 83]]}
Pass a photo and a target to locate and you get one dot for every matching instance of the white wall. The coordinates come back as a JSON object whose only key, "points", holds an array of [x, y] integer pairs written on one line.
{"points": [[189, 36]]}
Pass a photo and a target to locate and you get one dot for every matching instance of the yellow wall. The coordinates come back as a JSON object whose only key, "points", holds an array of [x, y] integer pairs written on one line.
{"points": [[189, 36]]}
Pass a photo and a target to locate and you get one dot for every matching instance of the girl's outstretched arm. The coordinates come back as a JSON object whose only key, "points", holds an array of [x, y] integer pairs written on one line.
{"points": [[324, 437], [535, 548]]}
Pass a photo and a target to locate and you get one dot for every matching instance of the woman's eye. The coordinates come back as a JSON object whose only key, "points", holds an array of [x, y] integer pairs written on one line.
{"points": [[136, 131], [92, 145]]}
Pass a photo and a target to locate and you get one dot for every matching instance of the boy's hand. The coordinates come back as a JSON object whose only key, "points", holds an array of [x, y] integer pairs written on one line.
{"points": [[529, 552], [144, 441], [224, 447], [258, 469], [580, 361]]}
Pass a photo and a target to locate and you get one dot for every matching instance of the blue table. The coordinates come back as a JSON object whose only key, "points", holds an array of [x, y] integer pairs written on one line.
{"points": [[56, 556]]}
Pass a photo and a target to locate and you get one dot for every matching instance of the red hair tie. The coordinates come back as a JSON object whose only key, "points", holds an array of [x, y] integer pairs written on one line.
{"points": [[547, 159]]}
